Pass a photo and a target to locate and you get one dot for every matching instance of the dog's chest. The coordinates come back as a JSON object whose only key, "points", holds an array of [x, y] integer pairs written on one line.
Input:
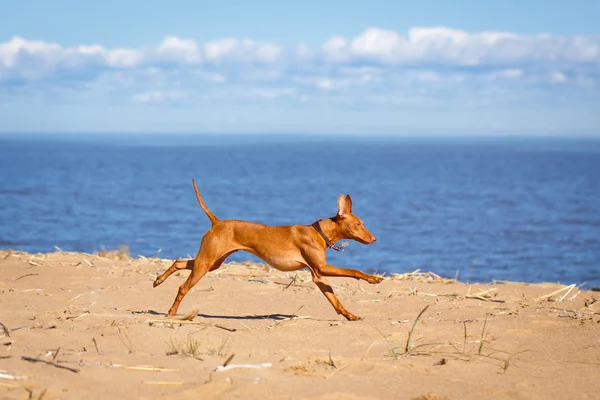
{"points": [[282, 263]]}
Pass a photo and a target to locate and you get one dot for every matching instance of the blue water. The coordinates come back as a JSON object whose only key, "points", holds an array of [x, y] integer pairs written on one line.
{"points": [[518, 209]]}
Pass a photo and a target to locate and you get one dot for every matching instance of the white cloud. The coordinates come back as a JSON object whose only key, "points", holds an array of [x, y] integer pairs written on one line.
{"points": [[422, 67], [335, 49], [123, 58], [17, 48], [376, 52], [241, 51], [157, 96], [274, 93], [303, 52], [28, 59], [217, 78], [34, 60], [375, 43], [268, 53], [428, 76], [512, 73], [325, 84], [179, 50], [214, 51], [557, 77], [509, 73], [446, 46]]}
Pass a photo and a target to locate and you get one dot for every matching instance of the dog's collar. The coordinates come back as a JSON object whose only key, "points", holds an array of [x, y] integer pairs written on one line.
{"points": [[320, 231]]}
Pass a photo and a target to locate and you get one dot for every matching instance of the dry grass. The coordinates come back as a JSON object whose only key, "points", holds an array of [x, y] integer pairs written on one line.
{"points": [[430, 396], [464, 353], [481, 340], [409, 346], [566, 289], [116, 254], [419, 276], [191, 347], [222, 350], [187, 348]]}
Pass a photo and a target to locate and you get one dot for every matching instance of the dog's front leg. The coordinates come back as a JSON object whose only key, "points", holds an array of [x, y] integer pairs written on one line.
{"points": [[330, 270], [327, 290]]}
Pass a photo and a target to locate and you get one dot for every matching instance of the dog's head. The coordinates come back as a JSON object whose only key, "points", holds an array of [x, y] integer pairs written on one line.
{"points": [[351, 227]]}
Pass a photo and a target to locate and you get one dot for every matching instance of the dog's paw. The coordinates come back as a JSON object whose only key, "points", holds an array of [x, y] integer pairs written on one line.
{"points": [[157, 282], [374, 279], [352, 317]]}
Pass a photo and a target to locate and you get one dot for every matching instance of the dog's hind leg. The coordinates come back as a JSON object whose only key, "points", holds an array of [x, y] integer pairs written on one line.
{"points": [[176, 266], [199, 270], [211, 255], [218, 263]]}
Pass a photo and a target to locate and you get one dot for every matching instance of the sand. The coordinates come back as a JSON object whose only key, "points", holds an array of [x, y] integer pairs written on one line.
{"points": [[100, 317]]}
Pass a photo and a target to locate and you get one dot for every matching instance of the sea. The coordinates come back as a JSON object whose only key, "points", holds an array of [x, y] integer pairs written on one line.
{"points": [[476, 209]]}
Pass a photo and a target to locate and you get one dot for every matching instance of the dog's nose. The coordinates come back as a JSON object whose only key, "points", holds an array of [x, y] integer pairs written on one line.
{"points": [[373, 239]]}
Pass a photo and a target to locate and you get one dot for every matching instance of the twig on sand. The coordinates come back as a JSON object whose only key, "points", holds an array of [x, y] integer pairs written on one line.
{"points": [[78, 316], [144, 368], [251, 366], [224, 327], [24, 276], [37, 360], [184, 322], [417, 275], [10, 385], [485, 299], [483, 295], [294, 316], [228, 360], [293, 281], [400, 321], [190, 316], [76, 297], [175, 321], [11, 377], [19, 328], [331, 362], [4, 329], [549, 295], [567, 293], [274, 324]]}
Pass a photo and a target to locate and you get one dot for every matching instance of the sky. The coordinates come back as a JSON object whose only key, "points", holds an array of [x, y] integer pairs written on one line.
{"points": [[405, 68]]}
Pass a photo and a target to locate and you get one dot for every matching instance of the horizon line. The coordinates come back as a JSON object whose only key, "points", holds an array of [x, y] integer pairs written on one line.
{"points": [[379, 135]]}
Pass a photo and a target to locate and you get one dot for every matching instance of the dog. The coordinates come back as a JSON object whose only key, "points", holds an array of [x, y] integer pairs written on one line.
{"points": [[286, 248]]}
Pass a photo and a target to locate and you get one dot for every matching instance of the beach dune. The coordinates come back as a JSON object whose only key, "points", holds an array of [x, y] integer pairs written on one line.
{"points": [[88, 326]]}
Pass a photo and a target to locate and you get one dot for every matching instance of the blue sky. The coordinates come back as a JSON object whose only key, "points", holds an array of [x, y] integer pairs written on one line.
{"points": [[370, 67]]}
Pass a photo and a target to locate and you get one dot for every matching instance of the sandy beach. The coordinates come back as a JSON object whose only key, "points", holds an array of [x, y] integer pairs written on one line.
{"points": [[89, 326]]}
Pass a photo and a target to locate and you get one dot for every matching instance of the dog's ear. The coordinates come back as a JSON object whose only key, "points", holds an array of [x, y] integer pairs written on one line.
{"points": [[344, 205]]}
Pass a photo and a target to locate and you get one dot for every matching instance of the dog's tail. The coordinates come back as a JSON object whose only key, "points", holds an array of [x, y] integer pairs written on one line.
{"points": [[209, 214]]}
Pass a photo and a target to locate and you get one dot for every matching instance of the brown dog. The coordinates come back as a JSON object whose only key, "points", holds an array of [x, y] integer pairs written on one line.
{"points": [[287, 248]]}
